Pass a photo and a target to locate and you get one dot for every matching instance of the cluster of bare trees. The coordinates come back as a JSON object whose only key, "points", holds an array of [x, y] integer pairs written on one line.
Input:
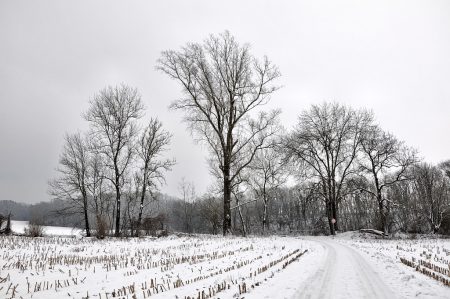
{"points": [[335, 152], [417, 201], [117, 164], [337, 169], [344, 151]]}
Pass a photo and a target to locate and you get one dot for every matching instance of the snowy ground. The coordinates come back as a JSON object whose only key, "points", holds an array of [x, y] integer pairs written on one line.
{"points": [[19, 228], [347, 266], [406, 281]]}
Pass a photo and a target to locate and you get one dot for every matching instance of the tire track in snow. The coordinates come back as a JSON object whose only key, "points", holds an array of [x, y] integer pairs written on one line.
{"points": [[343, 274]]}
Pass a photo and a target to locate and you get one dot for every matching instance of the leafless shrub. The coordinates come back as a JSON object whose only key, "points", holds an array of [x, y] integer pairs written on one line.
{"points": [[34, 229]]}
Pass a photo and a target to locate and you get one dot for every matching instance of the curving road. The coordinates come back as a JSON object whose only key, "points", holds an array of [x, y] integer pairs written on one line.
{"points": [[343, 273]]}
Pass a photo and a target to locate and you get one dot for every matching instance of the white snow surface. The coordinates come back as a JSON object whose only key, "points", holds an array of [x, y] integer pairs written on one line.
{"points": [[350, 265], [19, 228]]}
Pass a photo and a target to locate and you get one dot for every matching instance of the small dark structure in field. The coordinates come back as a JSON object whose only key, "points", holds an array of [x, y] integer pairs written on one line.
{"points": [[5, 224]]}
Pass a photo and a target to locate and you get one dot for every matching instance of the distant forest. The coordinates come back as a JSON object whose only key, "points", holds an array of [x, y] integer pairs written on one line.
{"points": [[169, 211], [44, 211]]}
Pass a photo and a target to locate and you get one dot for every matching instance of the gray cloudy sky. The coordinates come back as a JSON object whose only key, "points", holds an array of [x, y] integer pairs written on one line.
{"points": [[390, 56]]}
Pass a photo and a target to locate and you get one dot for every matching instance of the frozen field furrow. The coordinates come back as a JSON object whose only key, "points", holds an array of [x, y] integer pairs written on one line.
{"points": [[158, 268]]}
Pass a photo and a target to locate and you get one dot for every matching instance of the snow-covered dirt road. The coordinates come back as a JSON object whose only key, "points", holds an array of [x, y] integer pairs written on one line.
{"points": [[343, 273]]}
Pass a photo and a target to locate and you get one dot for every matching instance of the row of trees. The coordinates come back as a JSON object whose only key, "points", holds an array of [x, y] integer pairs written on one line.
{"points": [[419, 204], [337, 166], [343, 150], [335, 151], [117, 164]]}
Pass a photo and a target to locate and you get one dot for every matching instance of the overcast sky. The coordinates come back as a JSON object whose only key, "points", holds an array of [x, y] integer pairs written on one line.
{"points": [[389, 56]]}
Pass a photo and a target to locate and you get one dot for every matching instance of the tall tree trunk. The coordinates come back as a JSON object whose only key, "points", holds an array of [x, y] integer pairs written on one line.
{"points": [[330, 205], [264, 222], [244, 228], [382, 224], [330, 216], [86, 216], [117, 227], [334, 209], [226, 201], [141, 207]]}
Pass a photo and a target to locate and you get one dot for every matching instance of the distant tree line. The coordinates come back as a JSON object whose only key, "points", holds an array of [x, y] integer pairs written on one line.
{"points": [[44, 212]]}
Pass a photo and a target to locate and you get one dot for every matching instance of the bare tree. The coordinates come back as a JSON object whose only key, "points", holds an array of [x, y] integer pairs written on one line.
{"points": [[72, 184], [112, 114], [326, 140], [188, 197], [211, 210], [152, 144], [238, 190], [223, 84], [387, 161], [445, 166], [267, 172], [97, 188], [305, 196], [432, 190]]}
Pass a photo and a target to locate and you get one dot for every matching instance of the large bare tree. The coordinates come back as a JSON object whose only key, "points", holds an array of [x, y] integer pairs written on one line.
{"points": [[223, 84], [73, 181], [326, 142], [112, 114], [151, 145], [386, 160]]}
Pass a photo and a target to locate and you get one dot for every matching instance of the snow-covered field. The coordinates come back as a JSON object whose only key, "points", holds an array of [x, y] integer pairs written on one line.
{"points": [[412, 268], [347, 266], [59, 267]]}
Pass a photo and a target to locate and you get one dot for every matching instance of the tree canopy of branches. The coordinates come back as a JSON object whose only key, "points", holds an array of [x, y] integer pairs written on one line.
{"points": [[325, 143], [223, 84], [152, 144], [386, 160], [112, 115], [267, 173], [115, 158], [432, 189], [74, 180]]}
